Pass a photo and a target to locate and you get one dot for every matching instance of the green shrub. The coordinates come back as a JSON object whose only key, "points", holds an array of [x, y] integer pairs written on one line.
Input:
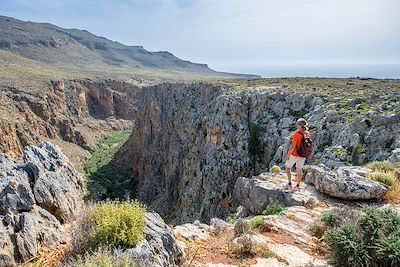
{"points": [[306, 168], [388, 249], [372, 240], [330, 218], [273, 209], [256, 221], [267, 254], [275, 169], [371, 223], [381, 166], [363, 107], [387, 178], [118, 224], [349, 249]]}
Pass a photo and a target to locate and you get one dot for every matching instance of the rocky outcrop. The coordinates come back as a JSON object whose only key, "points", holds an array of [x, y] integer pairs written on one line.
{"points": [[345, 183], [76, 111], [192, 142], [36, 197], [159, 248], [257, 192]]}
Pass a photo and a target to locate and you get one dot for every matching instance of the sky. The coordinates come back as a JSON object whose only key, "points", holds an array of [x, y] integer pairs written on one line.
{"points": [[273, 38]]}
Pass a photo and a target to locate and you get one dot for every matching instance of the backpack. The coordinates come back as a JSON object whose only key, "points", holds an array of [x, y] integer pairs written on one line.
{"points": [[306, 147]]}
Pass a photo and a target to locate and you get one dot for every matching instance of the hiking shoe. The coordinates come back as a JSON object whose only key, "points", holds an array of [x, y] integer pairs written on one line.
{"points": [[296, 188], [288, 187]]}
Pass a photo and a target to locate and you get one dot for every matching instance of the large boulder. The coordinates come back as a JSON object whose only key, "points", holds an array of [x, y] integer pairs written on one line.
{"points": [[36, 197], [345, 183], [255, 193], [57, 185], [159, 247]]}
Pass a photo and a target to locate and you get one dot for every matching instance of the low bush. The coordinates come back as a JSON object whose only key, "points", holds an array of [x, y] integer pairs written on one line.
{"points": [[241, 227], [267, 254], [117, 224], [387, 178], [105, 258], [244, 248], [306, 168], [256, 221], [275, 169], [381, 166], [349, 249], [273, 209], [330, 218], [373, 239]]}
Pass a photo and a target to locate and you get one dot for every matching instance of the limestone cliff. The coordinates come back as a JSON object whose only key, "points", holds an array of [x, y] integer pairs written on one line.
{"points": [[76, 111], [192, 141]]}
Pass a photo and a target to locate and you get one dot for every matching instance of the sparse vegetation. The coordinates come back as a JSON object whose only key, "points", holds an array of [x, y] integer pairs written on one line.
{"points": [[256, 221], [273, 209], [267, 254], [275, 169], [244, 248], [381, 166], [241, 227]]}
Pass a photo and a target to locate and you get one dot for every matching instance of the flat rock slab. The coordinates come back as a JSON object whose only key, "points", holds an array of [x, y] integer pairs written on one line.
{"points": [[191, 231], [287, 236], [345, 183], [255, 193]]}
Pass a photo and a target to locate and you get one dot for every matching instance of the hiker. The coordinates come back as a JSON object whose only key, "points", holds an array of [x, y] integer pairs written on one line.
{"points": [[300, 149]]}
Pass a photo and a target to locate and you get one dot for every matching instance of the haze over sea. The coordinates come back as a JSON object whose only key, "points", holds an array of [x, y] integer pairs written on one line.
{"points": [[381, 71]]}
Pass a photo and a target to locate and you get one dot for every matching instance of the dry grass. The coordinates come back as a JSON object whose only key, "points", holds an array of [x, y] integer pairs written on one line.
{"points": [[48, 257], [393, 195]]}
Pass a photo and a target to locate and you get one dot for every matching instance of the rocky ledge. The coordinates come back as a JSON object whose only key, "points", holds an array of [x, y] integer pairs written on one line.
{"points": [[345, 183]]}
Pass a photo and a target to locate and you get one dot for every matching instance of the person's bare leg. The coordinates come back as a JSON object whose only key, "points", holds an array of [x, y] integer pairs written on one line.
{"points": [[299, 175], [289, 175]]}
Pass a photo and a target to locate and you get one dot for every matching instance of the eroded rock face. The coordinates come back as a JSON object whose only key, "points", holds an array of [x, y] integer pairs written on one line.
{"points": [[36, 197], [159, 248], [192, 142], [345, 183], [57, 185], [76, 111]]}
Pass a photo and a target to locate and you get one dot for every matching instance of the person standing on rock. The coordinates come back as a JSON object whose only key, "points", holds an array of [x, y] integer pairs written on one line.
{"points": [[297, 154]]}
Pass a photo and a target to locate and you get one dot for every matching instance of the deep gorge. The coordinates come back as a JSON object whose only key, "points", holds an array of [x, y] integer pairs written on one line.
{"points": [[191, 141]]}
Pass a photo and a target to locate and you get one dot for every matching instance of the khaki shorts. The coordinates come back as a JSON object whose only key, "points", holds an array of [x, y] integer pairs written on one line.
{"points": [[299, 161]]}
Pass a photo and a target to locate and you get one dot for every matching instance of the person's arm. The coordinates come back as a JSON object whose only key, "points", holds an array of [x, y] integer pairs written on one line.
{"points": [[292, 147]]}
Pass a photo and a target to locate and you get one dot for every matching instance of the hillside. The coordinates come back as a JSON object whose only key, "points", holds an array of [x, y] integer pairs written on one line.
{"points": [[37, 46]]}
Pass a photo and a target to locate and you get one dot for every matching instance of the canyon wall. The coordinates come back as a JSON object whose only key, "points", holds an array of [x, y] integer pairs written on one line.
{"points": [[77, 111], [192, 141]]}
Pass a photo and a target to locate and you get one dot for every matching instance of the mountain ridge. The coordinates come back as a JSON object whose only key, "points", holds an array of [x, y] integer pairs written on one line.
{"points": [[50, 44]]}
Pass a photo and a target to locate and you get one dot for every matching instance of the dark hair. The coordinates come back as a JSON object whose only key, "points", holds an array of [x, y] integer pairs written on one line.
{"points": [[303, 123]]}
